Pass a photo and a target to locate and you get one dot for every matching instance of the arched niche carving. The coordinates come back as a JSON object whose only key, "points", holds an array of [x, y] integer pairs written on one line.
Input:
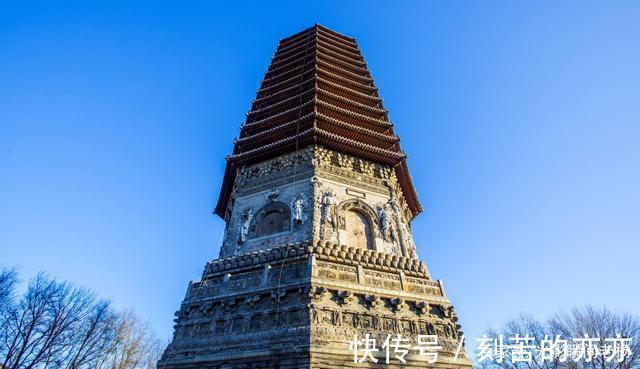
{"points": [[358, 205], [274, 217], [358, 223]]}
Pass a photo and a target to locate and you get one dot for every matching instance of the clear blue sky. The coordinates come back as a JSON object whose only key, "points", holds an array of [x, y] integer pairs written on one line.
{"points": [[521, 121]]}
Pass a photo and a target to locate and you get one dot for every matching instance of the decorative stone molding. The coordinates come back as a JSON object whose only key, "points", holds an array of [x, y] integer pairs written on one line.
{"points": [[422, 307], [279, 294], [363, 208], [271, 195], [318, 293], [344, 297], [397, 304], [229, 304], [371, 301], [207, 308], [324, 251], [274, 166], [252, 300]]}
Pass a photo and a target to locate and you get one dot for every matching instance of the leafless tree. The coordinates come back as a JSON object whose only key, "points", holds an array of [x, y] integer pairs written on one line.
{"points": [[134, 346], [8, 280], [90, 344], [523, 325], [583, 322], [44, 324], [601, 323], [55, 325]]}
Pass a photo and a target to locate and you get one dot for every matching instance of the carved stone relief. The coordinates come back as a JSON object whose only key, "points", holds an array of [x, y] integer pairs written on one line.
{"points": [[245, 221], [328, 219], [358, 230], [299, 206]]}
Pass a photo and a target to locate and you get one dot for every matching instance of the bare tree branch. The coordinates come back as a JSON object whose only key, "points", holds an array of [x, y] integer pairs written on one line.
{"points": [[588, 321], [55, 325]]}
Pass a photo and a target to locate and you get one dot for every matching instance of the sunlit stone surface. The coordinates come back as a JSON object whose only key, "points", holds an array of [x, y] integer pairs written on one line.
{"points": [[318, 203]]}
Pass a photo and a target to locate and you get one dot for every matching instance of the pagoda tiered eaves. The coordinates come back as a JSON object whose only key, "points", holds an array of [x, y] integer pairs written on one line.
{"points": [[318, 246], [318, 91]]}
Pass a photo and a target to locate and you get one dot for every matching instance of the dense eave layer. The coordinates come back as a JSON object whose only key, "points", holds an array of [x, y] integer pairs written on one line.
{"points": [[318, 91]]}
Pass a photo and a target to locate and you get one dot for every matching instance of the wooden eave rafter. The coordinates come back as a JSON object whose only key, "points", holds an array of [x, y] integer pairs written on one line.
{"points": [[352, 131], [353, 103], [326, 138], [364, 79], [362, 95], [362, 72], [268, 121], [318, 91], [284, 91], [275, 131], [280, 59], [347, 41], [347, 59], [284, 102], [272, 84], [352, 114], [354, 53], [366, 87], [390, 140], [273, 72]]}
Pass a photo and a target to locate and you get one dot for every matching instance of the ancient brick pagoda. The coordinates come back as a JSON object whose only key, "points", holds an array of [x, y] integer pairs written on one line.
{"points": [[318, 202]]}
